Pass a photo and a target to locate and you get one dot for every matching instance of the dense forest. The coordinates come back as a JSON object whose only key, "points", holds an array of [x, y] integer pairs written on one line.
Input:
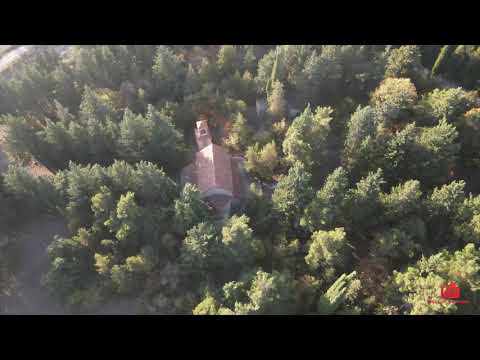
{"points": [[364, 168]]}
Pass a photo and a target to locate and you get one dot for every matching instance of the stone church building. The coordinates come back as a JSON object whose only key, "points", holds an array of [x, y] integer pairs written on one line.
{"points": [[219, 176]]}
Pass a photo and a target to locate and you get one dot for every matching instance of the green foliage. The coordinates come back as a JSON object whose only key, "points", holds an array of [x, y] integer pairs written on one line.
{"points": [[447, 199], [339, 294], [36, 81], [442, 205], [458, 63], [293, 192], [447, 104], [169, 73], [442, 59], [190, 210], [208, 306], [124, 224], [403, 62], [262, 161], [201, 249], [363, 201], [401, 152], [259, 210], [328, 249], [241, 245], [306, 138], [103, 264], [102, 204], [71, 265], [280, 129], [123, 279], [239, 134], [429, 54], [121, 213], [277, 105], [400, 192], [249, 58], [228, 58], [20, 140], [395, 243], [269, 66], [35, 194], [469, 136], [10, 211], [98, 104], [150, 183], [233, 292], [362, 123], [152, 138], [393, 96], [78, 184], [263, 294], [466, 220], [319, 74], [271, 294], [192, 82], [326, 210], [361, 131], [403, 200], [419, 286], [110, 65], [440, 151], [464, 65], [321, 70], [95, 138], [136, 264]]}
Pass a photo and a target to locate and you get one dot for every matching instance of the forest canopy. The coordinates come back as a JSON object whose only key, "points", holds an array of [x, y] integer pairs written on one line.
{"points": [[362, 163]]}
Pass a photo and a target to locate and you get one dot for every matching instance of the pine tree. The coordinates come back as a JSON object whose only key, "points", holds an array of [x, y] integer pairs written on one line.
{"points": [[326, 210], [403, 62], [447, 104], [306, 138], [292, 193], [442, 60], [249, 59], [419, 285], [361, 131], [239, 134], [277, 105], [202, 249], [271, 294], [328, 249], [403, 200], [393, 96], [337, 294], [228, 59], [190, 210], [262, 161], [241, 245], [168, 73], [363, 201]]}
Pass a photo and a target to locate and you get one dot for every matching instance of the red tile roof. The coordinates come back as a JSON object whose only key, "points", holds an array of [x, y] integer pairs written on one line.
{"points": [[213, 168]]}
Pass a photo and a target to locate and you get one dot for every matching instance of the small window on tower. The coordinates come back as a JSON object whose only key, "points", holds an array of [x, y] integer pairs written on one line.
{"points": [[203, 132]]}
